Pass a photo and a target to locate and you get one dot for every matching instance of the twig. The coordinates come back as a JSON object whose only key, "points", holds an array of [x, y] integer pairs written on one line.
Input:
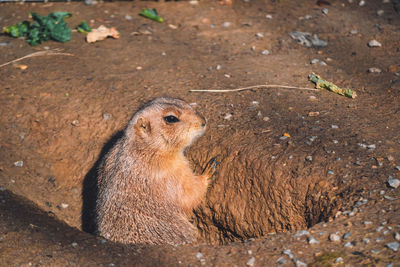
{"points": [[253, 87], [37, 54]]}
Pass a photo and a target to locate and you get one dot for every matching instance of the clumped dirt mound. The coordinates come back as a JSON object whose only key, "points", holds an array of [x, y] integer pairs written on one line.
{"points": [[61, 114]]}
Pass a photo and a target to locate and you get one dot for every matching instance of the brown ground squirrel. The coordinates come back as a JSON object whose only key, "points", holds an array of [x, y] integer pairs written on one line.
{"points": [[146, 186]]}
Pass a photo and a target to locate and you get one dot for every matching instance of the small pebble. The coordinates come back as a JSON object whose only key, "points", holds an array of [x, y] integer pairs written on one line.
{"points": [[348, 245], [218, 67], [226, 24], [289, 253], [301, 233], [374, 251], [392, 182], [379, 239], [309, 158], [227, 75], [371, 146], [385, 232], [374, 70], [107, 116], [379, 229], [19, 163], [312, 241], [389, 198], [393, 246], [366, 223], [75, 123], [103, 241], [374, 43], [265, 52], [390, 264], [334, 238], [397, 236], [333, 126], [361, 3], [331, 172], [353, 31], [346, 235], [251, 262], [74, 244], [300, 263], [64, 205], [325, 11], [339, 260], [228, 116], [266, 119], [281, 261], [3, 44], [380, 12], [128, 17], [199, 255], [268, 16], [260, 35], [312, 98], [366, 240]]}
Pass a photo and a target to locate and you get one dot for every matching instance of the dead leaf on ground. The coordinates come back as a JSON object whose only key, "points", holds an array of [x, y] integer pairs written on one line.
{"points": [[102, 33]]}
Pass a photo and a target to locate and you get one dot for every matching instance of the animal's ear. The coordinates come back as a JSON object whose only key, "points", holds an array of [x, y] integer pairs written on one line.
{"points": [[143, 127]]}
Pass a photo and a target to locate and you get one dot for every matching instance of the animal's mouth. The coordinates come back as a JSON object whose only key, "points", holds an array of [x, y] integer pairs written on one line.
{"points": [[196, 134]]}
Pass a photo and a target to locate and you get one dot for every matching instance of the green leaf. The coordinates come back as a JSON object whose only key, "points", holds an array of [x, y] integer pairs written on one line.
{"points": [[151, 13], [42, 28], [84, 27], [18, 30]]}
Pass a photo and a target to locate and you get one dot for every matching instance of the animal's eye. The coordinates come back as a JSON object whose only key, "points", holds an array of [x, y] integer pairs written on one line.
{"points": [[171, 119]]}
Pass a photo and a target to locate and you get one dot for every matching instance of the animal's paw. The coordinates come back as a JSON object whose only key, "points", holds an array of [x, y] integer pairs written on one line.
{"points": [[210, 167]]}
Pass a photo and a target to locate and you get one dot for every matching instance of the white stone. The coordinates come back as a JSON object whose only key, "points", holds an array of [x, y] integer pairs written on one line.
{"points": [[374, 43], [393, 246], [19, 163], [374, 70], [392, 182], [334, 238], [265, 52], [251, 262]]}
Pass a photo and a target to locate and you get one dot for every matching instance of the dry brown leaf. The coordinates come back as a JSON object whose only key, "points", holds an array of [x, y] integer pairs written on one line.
{"points": [[102, 33]]}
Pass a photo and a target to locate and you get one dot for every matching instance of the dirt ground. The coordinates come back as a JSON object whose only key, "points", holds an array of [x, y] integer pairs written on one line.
{"points": [[296, 165]]}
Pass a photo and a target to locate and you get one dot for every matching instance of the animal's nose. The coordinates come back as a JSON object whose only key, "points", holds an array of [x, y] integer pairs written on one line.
{"points": [[203, 122]]}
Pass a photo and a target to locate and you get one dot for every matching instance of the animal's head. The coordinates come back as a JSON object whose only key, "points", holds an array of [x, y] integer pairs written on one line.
{"points": [[167, 124]]}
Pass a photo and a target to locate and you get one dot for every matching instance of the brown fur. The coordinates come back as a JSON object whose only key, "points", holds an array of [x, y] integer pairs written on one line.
{"points": [[146, 186]]}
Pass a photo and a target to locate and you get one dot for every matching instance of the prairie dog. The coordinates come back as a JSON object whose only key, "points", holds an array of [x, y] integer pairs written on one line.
{"points": [[147, 188]]}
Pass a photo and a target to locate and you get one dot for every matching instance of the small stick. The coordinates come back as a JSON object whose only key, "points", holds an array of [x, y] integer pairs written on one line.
{"points": [[253, 87], [37, 54]]}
